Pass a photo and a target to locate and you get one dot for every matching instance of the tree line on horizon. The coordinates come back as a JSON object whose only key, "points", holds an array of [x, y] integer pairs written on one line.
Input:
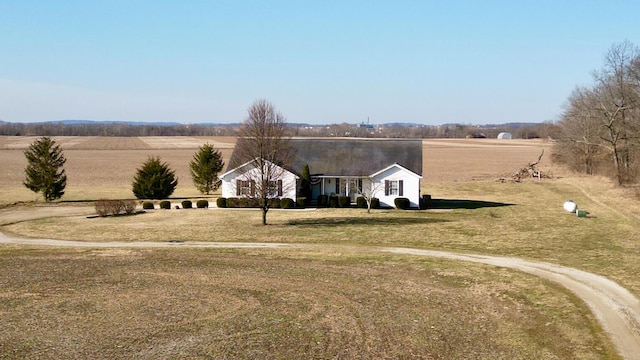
{"points": [[519, 130]]}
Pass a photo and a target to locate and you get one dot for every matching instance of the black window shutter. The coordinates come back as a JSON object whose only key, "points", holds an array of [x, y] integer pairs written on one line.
{"points": [[386, 187], [253, 188], [279, 187], [238, 184], [400, 190], [337, 186]]}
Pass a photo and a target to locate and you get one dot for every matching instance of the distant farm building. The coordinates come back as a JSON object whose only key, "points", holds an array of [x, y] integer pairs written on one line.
{"points": [[505, 135]]}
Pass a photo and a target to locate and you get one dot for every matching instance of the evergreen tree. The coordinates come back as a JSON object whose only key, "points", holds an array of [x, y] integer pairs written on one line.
{"points": [[44, 171], [204, 167], [154, 180], [305, 184]]}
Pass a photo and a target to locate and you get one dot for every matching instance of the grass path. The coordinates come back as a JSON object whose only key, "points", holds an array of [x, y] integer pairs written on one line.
{"points": [[617, 310]]}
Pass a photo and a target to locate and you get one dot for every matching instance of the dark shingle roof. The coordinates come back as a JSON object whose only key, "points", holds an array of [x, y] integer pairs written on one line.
{"points": [[350, 157]]}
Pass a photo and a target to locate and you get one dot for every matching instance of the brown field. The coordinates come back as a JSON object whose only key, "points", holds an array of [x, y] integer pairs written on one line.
{"points": [[339, 300], [104, 167]]}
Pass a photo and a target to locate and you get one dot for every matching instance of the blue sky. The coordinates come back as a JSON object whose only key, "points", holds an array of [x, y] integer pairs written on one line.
{"points": [[428, 62]]}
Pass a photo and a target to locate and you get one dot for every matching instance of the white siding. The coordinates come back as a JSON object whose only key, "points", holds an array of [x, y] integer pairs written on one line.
{"points": [[410, 186], [250, 172]]}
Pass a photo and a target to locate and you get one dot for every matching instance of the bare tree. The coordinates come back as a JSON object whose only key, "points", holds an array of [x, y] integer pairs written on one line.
{"points": [[605, 119], [264, 143], [368, 190], [579, 142], [616, 102]]}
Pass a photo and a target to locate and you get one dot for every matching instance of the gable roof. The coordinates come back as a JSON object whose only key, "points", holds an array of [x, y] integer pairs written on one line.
{"points": [[252, 164], [350, 157], [398, 166]]}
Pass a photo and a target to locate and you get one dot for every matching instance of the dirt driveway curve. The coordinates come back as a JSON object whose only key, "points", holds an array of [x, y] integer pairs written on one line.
{"points": [[617, 310]]}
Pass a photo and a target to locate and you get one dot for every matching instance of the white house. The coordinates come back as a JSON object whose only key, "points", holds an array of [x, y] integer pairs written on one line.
{"points": [[385, 169], [241, 181]]}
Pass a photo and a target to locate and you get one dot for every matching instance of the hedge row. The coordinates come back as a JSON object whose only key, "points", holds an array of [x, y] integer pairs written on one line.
{"points": [[166, 204], [275, 203], [334, 201], [115, 207]]}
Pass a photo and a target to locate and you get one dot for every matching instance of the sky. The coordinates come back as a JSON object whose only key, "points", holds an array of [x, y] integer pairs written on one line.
{"points": [[317, 62]]}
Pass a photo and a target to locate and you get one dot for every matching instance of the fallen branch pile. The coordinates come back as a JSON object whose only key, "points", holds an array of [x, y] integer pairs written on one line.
{"points": [[528, 171]]}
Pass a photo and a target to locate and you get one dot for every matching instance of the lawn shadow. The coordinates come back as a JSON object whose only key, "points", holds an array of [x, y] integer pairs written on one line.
{"points": [[363, 220], [451, 204]]}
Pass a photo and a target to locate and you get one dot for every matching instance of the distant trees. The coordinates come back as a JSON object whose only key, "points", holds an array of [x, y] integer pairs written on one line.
{"points": [[44, 172], [154, 180], [600, 128], [415, 131], [204, 168], [264, 143]]}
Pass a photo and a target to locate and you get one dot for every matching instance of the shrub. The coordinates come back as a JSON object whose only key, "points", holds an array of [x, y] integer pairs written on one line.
{"points": [[202, 204], [102, 209], [148, 205], [286, 203], [233, 202], [402, 203], [333, 201], [187, 204], [275, 203], [154, 180], [115, 207], [301, 201], [165, 204], [221, 202], [375, 203], [129, 206], [323, 200], [344, 201], [361, 202], [425, 202]]}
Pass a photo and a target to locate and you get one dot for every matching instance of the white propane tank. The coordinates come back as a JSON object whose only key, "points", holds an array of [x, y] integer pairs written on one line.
{"points": [[570, 206]]}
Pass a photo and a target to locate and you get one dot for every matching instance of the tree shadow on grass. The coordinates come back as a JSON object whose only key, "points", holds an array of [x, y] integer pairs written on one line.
{"points": [[365, 221], [451, 204]]}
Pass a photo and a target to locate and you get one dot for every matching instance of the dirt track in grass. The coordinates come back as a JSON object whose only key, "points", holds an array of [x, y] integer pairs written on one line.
{"points": [[617, 310]]}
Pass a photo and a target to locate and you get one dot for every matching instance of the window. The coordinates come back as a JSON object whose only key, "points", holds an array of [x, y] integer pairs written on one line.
{"points": [[245, 188], [393, 187], [275, 188]]}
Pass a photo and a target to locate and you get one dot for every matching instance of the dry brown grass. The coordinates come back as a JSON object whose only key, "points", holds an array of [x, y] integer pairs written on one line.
{"points": [[237, 304]]}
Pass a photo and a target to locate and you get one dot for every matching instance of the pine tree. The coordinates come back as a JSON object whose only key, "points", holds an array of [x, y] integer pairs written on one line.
{"points": [[305, 184], [204, 167], [44, 171], [154, 180]]}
